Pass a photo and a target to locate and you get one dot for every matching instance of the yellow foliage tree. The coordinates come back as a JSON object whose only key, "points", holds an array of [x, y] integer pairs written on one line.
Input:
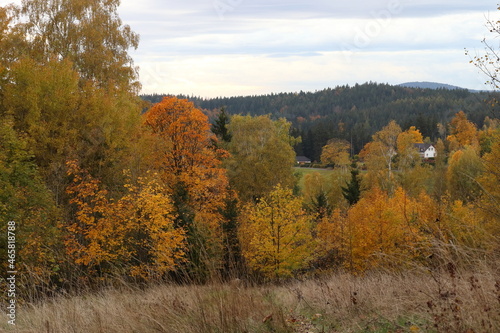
{"points": [[275, 235], [462, 132], [135, 233], [378, 156], [71, 86], [336, 151], [464, 167], [29, 213], [489, 181], [407, 153], [322, 194], [88, 33], [488, 134]]}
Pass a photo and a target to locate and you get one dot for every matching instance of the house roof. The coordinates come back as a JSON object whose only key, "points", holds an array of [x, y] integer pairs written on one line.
{"points": [[422, 147], [302, 159]]}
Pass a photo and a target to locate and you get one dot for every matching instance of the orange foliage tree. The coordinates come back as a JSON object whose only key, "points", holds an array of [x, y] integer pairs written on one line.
{"points": [[333, 234], [189, 163], [135, 234], [385, 231]]}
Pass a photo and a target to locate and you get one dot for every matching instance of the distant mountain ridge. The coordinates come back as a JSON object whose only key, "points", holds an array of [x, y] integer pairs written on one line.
{"points": [[437, 85], [430, 85]]}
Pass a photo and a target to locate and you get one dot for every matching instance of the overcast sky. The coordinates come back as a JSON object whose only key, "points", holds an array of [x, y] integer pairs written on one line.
{"points": [[214, 48]]}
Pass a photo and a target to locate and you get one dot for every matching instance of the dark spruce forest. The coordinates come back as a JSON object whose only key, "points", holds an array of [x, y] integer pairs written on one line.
{"points": [[354, 113]]}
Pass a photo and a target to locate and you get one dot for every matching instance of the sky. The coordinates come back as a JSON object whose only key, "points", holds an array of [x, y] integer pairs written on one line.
{"points": [[212, 48]]}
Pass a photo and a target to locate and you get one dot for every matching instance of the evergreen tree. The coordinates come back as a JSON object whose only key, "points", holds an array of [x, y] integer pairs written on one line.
{"points": [[353, 190], [219, 127]]}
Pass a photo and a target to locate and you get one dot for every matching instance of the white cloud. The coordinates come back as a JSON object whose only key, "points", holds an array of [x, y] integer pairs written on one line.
{"points": [[225, 75], [238, 47]]}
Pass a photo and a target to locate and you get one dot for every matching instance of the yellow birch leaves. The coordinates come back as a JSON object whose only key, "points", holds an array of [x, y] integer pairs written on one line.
{"points": [[275, 235]]}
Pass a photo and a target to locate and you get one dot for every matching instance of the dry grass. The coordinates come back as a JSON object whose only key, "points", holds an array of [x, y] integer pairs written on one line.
{"points": [[442, 300]]}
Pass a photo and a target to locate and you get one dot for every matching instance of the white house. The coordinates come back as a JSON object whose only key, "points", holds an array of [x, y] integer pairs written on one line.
{"points": [[426, 150]]}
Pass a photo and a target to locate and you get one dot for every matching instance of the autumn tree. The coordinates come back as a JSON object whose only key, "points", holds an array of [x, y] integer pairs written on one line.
{"points": [[408, 155], [378, 156], [333, 237], [261, 155], [385, 230], [440, 169], [43, 101], [28, 203], [464, 167], [316, 194], [387, 139], [89, 34], [489, 181], [322, 193], [134, 235], [413, 176], [71, 86], [462, 132], [276, 235], [6, 35], [488, 134], [190, 165], [336, 152]]}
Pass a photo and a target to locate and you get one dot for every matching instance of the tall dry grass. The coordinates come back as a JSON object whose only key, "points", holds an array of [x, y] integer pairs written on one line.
{"points": [[445, 301], [456, 292]]}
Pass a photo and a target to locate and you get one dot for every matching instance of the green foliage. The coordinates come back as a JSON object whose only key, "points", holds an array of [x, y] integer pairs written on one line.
{"points": [[25, 199], [261, 155], [464, 167]]}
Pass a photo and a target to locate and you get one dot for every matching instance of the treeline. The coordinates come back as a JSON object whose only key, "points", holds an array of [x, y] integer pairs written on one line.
{"points": [[353, 113]]}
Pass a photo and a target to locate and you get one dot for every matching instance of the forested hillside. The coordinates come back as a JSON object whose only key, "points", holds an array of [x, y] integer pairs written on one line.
{"points": [[354, 113]]}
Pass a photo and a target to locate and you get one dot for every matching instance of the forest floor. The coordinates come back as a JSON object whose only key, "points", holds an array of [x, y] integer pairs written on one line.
{"points": [[439, 300]]}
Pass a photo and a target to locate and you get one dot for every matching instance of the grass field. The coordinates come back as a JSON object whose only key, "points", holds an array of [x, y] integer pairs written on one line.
{"points": [[441, 300], [305, 171]]}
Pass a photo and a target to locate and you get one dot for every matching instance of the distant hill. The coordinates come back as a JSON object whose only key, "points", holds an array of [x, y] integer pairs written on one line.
{"points": [[429, 85]]}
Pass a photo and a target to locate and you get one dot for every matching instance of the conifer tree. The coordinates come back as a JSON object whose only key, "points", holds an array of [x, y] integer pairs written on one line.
{"points": [[352, 191], [219, 127]]}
